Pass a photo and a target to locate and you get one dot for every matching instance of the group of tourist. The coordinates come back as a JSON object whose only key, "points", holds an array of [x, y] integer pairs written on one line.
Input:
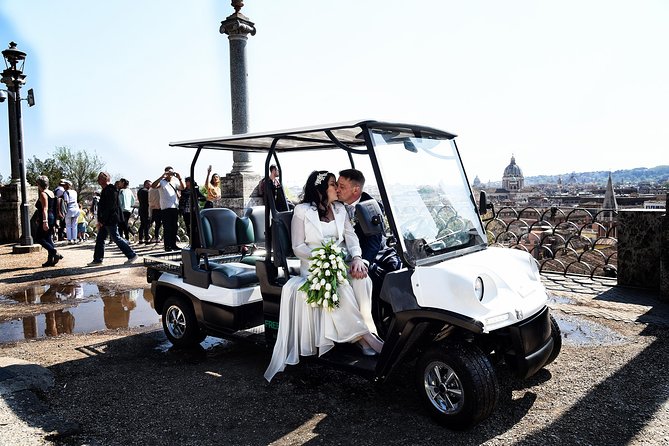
{"points": [[159, 204]]}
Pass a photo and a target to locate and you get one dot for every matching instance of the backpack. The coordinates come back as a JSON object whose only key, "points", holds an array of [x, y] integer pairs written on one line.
{"points": [[63, 204]]}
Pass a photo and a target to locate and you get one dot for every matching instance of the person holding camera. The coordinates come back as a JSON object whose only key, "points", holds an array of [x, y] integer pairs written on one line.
{"points": [[170, 185]]}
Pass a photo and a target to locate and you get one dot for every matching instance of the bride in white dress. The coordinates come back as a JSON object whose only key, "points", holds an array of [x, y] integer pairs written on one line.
{"points": [[305, 330]]}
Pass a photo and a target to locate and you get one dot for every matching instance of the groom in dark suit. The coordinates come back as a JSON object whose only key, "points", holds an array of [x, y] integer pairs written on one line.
{"points": [[379, 258], [349, 191]]}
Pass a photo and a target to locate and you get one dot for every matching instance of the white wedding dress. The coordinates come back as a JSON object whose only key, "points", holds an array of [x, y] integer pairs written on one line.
{"points": [[305, 330]]}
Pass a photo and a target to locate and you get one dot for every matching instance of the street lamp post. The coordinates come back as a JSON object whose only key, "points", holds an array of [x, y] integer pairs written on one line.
{"points": [[14, 78]]}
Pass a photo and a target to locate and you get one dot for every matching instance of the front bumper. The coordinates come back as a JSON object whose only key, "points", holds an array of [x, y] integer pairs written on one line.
{"points": [[530, 344]]}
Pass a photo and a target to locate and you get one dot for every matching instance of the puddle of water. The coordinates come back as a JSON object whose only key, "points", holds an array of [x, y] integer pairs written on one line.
{"points": [[93, 308], [580, 332], [552, 298]]}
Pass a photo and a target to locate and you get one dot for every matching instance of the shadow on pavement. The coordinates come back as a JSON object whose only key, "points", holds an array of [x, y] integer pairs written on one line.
{"points": [[581, 424], [130, 391], [53, 273]]}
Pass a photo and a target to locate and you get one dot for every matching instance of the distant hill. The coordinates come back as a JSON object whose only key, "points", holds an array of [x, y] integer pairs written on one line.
{"points": [[658, 175]]}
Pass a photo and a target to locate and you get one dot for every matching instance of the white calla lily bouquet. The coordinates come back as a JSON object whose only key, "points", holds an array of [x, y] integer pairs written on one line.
{"points": [[327, 271]]}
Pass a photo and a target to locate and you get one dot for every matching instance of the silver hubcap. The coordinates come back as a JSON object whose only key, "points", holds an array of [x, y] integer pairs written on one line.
{"points": [[443, 387], [176, 321]]}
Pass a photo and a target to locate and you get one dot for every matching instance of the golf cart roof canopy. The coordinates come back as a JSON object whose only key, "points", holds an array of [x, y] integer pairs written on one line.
{"points": [[345, 135]]}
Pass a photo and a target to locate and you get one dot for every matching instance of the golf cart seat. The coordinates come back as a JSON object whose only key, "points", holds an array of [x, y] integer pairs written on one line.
{"points": [[251, 233], [284, 258], [233, 275], [224, 235], [256, 216]]}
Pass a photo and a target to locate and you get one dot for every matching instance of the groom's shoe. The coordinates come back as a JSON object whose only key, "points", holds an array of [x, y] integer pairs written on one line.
{"points": [[367, 351]]}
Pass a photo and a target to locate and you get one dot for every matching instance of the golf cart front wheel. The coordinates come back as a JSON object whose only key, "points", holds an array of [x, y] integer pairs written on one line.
{"points": [[457, 384]]}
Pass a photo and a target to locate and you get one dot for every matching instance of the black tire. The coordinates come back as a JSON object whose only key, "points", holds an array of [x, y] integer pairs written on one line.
{"points": [[556, 334], [180, 323], [458, 385]]}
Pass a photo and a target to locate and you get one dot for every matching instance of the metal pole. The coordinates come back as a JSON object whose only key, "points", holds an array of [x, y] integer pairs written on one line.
{"points": [[13, 147], [26, 238]]}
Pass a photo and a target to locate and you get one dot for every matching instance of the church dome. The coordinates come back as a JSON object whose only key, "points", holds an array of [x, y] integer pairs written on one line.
{"points": [[513, 170], [513, 179]]}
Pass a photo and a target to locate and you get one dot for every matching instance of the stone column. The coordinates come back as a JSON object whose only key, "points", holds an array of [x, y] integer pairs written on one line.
{"points": [[237, 186]]}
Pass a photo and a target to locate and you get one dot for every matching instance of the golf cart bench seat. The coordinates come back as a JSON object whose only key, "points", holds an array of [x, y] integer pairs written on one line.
{"points": [[222, 229], [225, 239], [284, 258], [233, 275]]}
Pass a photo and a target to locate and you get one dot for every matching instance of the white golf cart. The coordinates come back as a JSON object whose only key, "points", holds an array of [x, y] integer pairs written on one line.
{"points": [[455, 307]]}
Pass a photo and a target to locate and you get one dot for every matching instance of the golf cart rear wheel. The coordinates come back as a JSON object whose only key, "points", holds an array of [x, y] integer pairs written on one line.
{"points": [[457, 384], [180, 323]]}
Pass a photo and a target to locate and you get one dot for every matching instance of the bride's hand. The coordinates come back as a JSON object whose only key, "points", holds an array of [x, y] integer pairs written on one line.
{"points": [[358, 268]]}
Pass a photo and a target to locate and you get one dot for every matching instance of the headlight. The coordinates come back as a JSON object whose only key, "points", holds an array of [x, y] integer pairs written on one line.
{"points": [[478, 288]]}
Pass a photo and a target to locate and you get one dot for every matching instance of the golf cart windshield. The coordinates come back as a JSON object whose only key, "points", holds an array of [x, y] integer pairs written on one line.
{"points": [[431, 203]]}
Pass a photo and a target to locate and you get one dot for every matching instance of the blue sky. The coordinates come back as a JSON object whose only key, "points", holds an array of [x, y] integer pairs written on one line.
{"points": [[564, 86]]}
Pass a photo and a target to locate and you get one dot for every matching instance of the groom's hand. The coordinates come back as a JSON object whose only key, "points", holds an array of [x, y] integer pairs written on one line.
{"points": [[358, 268]]}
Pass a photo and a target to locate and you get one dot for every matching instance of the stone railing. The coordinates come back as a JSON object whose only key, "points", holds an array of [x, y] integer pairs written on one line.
{"points": [[573, 241], [626, 246]]}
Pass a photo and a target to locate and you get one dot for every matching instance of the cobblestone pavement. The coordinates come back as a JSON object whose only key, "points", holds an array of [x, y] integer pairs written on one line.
{"points": [[600, 298]]}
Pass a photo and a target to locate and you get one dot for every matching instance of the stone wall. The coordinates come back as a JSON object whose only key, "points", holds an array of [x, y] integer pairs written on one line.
{"points": [[10, 211], [664, 256], [236, 189], [640, 248]]}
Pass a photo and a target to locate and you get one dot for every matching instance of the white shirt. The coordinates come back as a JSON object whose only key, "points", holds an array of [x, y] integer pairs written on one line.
{"points": [[168, 193], [70, 197]]}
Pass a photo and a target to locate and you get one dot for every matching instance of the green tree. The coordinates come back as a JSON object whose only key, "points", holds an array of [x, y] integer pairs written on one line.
{"points": [[79, 167], [49, 167]]}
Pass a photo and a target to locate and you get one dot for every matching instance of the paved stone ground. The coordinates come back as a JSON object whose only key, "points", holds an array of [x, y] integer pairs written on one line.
{"points": [[602, 299], [128, 387]]}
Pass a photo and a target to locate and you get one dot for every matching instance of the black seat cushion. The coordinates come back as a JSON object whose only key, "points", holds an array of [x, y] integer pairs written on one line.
{"points": [[256, 215], [233, 275]]}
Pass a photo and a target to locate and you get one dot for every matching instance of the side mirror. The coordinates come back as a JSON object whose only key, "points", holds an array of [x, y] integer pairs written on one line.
{"points": [[484, 205]]}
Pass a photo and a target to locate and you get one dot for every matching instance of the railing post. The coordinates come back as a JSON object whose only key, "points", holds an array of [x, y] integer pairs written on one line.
{"points": [[664, 255], [639, 248]]}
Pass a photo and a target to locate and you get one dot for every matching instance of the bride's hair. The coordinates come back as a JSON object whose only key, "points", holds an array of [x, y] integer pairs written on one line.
{"points": [[315, 190]]}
